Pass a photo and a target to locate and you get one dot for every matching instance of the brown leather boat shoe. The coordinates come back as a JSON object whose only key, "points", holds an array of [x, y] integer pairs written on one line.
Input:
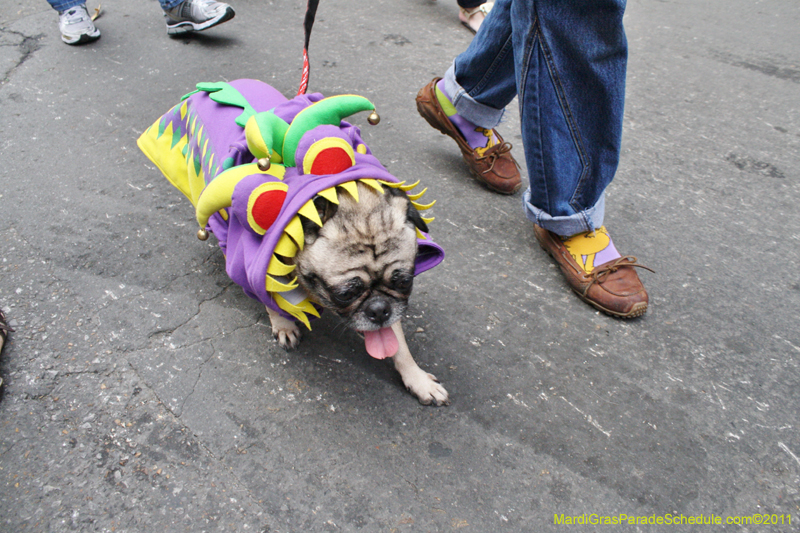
{"points": [[613, 287], [495, 167]]}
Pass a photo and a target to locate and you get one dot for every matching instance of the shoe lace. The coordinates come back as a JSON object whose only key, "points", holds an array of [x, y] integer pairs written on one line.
{"points": [[76, 15], [600, 274], [204, 6], [494, 152]]}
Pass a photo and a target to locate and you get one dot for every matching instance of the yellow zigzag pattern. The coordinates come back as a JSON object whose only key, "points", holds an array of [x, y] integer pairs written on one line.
{"points": [[173, 166]]}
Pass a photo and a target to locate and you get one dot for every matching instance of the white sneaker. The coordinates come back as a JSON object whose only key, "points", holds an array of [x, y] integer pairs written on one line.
{"points": [[76, 26], [197, 15]]}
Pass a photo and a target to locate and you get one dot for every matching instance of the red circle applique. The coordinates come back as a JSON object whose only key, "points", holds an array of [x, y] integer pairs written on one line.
{"points": [[265, 208], [328, 156], [331, 161]]}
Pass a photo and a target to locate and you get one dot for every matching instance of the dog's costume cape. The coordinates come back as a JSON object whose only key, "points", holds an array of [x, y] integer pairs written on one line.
{"points": [[213, 146]]}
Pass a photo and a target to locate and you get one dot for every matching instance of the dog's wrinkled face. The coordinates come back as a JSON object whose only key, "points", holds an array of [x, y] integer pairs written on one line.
{"points": [[360, 264]]}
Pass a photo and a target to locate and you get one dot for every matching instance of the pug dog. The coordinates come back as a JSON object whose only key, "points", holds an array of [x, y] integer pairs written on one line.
{"points": [[306, 215], [360, 265]]}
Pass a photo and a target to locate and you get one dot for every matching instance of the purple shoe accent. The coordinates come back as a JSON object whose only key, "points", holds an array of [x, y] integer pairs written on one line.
{"points": [[475, 139], [609, 253]]}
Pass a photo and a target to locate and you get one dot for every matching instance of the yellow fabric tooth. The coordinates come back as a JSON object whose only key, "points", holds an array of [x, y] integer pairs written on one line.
{"points": [[421, 235], [409, 187], [304, 319], [292, 310], [312, 310], [428, 220], [330, 195], [421, 207], [417, 196], [295, 230], [309, 210], [279, 268], [351, 187], [284, 304], [184, 107], [372, 183], [273, 285], [391, 184], [308, 308], [285, 246]]}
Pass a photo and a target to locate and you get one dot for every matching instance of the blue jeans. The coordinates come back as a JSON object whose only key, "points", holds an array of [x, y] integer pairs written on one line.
{"points": [[566, 60], [63, 5]]}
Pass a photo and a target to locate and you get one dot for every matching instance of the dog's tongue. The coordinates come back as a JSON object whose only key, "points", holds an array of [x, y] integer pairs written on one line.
{"points": [[381, 343]]}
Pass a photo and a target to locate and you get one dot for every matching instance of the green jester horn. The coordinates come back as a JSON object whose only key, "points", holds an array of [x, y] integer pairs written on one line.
{"points": [[263, 132], [331, 110]]}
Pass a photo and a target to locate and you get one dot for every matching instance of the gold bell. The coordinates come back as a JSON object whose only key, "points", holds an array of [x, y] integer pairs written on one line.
{"points": [[264, 164], [374, 118], [202, 234]]}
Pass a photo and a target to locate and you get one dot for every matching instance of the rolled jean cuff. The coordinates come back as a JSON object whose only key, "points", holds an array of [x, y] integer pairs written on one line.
{"points": [[65, 5], [169, 4], [467, 107], [587, 220]]}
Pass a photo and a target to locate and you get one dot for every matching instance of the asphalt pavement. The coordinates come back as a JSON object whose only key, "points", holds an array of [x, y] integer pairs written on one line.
{"points": [[143, 391]]}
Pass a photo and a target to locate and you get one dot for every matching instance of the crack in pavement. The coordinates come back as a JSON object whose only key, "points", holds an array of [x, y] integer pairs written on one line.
{"points": [[26, 44], [211, 356]]}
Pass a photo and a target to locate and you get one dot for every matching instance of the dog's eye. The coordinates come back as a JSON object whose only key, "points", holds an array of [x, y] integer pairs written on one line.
{"points": [[402, 280], [349, 292]]}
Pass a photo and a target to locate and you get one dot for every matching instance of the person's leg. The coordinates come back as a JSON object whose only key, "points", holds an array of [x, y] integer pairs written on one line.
{"points": [[570, 69], [571, 79], [481, 81], [447, 107], [566, 61]]}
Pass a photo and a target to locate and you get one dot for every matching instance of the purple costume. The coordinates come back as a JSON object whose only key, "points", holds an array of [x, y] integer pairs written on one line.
{"points": [[208, 145]]}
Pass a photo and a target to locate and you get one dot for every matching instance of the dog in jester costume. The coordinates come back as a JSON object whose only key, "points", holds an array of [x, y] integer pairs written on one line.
{"points": [[307, 218]]}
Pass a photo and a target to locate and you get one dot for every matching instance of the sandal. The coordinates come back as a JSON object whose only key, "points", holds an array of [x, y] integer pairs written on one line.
{"points": [[469, 13], [5, 329]]}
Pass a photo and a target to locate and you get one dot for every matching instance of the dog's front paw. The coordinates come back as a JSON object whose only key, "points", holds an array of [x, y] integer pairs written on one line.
{"points": [[287, 337], [285, 331], [426, 388]]}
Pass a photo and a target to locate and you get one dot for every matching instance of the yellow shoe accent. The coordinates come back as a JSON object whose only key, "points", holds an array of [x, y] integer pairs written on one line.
{"points": [[489, 142], [587, 245]]}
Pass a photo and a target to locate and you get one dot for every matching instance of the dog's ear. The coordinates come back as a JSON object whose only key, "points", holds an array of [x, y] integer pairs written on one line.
{"points": [[325, 209], [411, 212]]}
